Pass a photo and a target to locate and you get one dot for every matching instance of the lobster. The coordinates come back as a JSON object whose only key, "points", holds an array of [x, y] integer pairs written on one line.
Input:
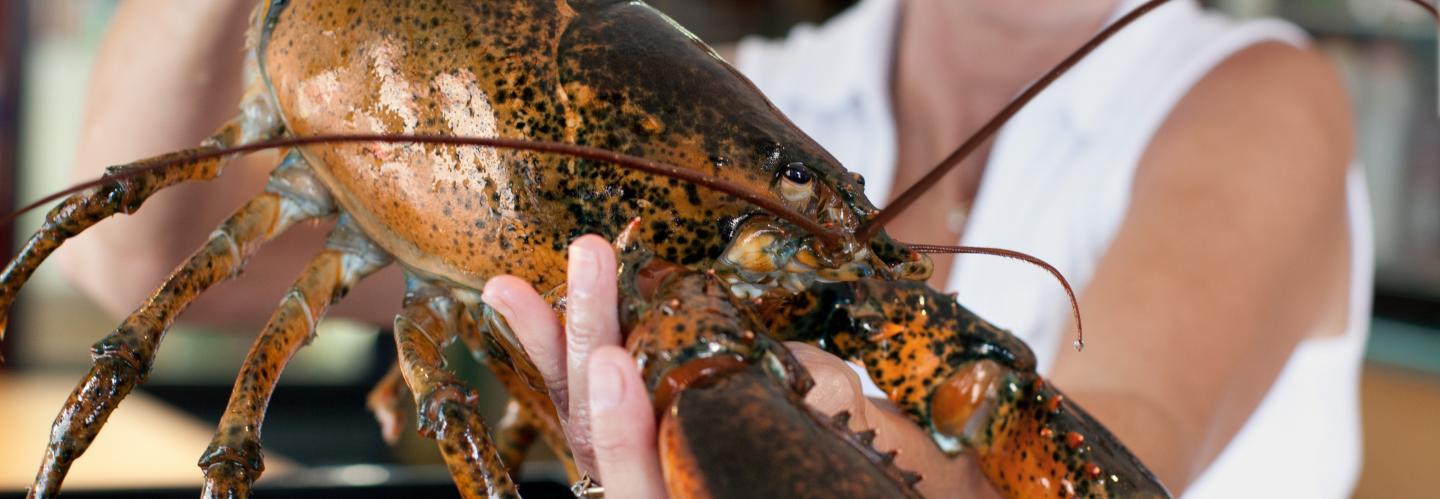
{"points": [[716, 372], [380, 107]]}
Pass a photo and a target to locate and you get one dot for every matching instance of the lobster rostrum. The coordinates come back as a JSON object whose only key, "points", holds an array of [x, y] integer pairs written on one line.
{"points": [[380, 106]]}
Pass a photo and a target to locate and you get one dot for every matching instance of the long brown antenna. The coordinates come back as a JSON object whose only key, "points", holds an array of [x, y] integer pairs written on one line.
{"points": [[1427, 7], [623, 160], [977, 250], [919, 188]]}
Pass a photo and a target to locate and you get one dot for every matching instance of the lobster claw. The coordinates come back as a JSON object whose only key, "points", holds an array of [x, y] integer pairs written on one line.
{"points": [[1031, 440], [971, 383], [729, 399], [743, 434]]}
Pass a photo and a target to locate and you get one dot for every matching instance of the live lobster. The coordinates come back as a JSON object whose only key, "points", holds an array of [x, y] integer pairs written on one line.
{"points": [[754, 208]]}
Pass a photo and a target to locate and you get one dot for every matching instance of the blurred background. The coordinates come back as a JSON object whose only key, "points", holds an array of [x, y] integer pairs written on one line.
{"points": [[318, 435]]}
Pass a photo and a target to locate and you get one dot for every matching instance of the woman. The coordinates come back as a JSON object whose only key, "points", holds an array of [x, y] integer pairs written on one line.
{"points": [[1190, 176]]}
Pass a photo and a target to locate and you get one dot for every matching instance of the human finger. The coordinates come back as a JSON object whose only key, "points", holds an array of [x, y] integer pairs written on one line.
{"points": [[622, 426], [838, 388], [590, 322], [539, 332]]}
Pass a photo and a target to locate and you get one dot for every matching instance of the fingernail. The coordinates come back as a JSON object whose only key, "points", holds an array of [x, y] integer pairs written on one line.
{"points": [[496, 300], [605, 385], [584, 269]]}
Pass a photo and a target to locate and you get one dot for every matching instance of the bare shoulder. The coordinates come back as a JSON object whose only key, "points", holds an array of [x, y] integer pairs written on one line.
{"points": [[1272, 114], [1253, 161], [1232, 248]]}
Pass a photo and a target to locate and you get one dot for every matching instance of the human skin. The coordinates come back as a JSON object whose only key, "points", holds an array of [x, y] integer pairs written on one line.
{"points": [[1237, 210], [607, 414], [1235, 246]]}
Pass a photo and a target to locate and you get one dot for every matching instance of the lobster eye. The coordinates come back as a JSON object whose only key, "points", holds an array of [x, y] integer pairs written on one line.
{"points": [[796, 186], [796, 172]]}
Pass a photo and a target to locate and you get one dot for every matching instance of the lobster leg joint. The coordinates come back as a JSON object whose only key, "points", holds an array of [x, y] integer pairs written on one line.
{"points": [[445, 404]]}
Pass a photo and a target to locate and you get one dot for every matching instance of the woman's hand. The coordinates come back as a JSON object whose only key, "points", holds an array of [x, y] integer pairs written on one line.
{"points": [[607, 414], [592, 379]]}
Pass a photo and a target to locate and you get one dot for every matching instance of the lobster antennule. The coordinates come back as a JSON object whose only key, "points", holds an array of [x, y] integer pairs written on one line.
{"points": [[906, 198], [623, 160], [977, 250]]}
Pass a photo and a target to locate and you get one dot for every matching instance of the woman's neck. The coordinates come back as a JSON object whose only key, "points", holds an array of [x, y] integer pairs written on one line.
{"points": [[961, 61], [958, 62]]}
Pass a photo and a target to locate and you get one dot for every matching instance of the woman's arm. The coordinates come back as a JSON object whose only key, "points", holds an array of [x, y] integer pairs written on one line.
{"points": [[168, 74], [1234, 249]]}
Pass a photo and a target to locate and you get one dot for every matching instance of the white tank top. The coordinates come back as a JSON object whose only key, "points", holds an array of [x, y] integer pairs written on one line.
{"points": [[1057, 186]]}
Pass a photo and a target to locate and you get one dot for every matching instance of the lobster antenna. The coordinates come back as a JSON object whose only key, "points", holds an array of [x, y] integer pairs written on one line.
{"points": [[1429, 8], [623, 160], [976, 250], [873, 226]]}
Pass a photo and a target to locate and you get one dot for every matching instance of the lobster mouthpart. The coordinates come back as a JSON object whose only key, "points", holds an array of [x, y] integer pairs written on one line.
{"points": [[768, 255]]}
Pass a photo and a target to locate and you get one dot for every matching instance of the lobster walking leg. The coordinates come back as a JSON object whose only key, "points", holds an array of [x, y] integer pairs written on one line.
{"points": [[123, 358], [125, 195], [531, 413], [444, 404], [528, 416], [972, 384], [233, 461], [386, 402], [515, 433]]}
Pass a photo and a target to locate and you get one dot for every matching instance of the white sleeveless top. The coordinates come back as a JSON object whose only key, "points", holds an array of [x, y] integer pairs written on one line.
{"points": [[1057, 186]]}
